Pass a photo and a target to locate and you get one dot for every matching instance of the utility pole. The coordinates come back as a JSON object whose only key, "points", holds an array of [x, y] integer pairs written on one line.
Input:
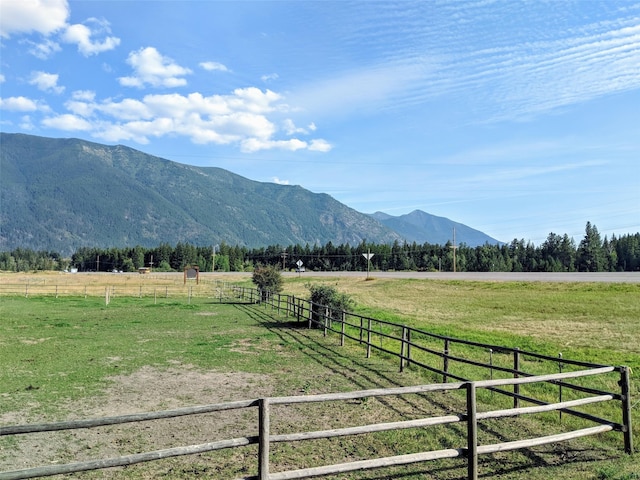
{"points": [[151, 263], [284, 256], [98, 264], [454, 247]]}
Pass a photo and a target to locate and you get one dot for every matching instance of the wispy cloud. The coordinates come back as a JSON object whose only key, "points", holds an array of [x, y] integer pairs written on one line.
{"points": [[214, 67], [506, 73]]}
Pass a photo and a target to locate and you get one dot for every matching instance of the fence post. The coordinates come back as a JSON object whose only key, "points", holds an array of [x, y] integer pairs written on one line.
{"points": [[361, 328], [326, 320], [403, 346], [342, 327], [472, 433], [560, 365], [625, 390], [445, 361], [369, 338], [516, 368], [263, 439]]}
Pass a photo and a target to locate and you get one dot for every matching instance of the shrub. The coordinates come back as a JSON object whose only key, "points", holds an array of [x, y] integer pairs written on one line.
{"points": [[268, 280], [327, 296]]}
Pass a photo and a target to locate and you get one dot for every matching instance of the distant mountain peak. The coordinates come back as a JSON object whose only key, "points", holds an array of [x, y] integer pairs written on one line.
{"points": [[422, 227]]}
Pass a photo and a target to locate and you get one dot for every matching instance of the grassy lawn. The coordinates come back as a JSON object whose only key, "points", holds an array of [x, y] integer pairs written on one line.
{"points": [[75, 357]]}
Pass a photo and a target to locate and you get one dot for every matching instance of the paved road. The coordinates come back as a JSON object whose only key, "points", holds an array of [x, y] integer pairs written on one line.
{"points": [[604, 277]]}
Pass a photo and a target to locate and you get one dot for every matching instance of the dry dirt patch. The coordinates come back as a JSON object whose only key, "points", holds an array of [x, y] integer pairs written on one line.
{"points": [[148, 389]]}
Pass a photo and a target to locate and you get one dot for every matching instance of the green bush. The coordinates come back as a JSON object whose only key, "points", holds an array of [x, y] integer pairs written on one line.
{"points": [[327, 296], [268, 280]]}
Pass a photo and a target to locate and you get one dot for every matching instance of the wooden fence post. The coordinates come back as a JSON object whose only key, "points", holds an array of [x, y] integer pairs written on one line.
{"points": [[342, 328], [445, 361], [326, 320], [560, 386], [403, 347], [369, 338], [516, 368], [263, 439], [472, 433], [625, 390]]}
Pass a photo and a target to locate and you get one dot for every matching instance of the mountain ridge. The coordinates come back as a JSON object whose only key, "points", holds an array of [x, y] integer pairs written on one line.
{"points": [[60, 194], [420, 227]]}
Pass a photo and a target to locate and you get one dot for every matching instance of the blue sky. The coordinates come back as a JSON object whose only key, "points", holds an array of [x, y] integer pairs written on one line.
{"points": [[518, 118]]}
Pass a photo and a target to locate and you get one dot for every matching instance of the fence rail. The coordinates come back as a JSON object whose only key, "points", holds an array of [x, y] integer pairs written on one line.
{"points": [[407, 343], [469, 450], [410, 347]]}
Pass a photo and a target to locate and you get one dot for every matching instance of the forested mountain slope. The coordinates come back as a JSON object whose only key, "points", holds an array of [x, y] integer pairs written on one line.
{"points": [[61, 194]]}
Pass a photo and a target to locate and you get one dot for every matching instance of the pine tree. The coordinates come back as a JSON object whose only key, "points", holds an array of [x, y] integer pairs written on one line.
{"points": [[591, 254]]}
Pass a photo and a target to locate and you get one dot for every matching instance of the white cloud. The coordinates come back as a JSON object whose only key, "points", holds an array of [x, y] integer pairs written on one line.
{"points": [[280, 182], [320, 145], [67, 122], [26, 123], [84, 37], [2, 79], [18, 104], [27, 16], [251, 145], [151, 68], [240, 118], [44, 49], [291, 129], [214, 66], [47, 82], [84, 95], [269, 77]]}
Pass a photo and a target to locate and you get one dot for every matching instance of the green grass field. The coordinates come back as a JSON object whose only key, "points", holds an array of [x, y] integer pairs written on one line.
{"points": [[75, 357]]}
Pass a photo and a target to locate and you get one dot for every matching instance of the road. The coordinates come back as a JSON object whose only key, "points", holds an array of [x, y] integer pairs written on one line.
{"points": [[602, 277]]}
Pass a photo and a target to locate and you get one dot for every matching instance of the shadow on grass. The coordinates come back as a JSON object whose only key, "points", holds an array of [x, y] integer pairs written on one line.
{"points": [[378, 373]]}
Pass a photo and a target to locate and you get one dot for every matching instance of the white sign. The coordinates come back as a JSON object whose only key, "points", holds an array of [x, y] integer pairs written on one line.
{"points": [[299, 263], [367, 255]]}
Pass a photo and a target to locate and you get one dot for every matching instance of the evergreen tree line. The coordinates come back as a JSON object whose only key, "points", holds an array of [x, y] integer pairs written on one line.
{"points": [[558, 253]]}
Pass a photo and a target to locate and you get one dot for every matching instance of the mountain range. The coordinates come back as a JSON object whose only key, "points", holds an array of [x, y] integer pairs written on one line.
{"points": [[59, 194]]}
